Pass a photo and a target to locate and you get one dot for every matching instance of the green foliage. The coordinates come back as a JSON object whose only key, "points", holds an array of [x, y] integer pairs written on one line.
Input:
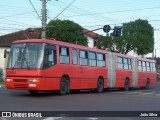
{"points": [[136, 35], [139, 36], [104, 42], [158, 64], [66, 31], [158, 61]]}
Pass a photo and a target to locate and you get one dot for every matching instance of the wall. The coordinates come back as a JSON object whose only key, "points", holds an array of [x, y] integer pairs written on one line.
{"points": [[90, 42], [3, 60]]}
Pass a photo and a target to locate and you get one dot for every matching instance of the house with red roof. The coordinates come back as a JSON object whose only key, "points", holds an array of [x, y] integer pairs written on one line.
{"points": [[91, 36]]}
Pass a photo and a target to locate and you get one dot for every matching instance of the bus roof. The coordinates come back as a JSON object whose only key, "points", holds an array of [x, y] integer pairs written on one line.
{"points": [[138, 58], [145, 59], [56, 42]]}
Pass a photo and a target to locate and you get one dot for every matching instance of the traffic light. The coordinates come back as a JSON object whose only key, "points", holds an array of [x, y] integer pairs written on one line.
{"points": [[106, 28], [117, 31]]}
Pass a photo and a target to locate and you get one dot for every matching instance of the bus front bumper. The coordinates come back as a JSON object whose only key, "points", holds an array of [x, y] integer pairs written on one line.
{"points": [[22, 83]]}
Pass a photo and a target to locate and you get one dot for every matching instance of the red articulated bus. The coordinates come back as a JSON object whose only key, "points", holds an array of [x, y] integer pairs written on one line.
{"points": [[50, 65]]}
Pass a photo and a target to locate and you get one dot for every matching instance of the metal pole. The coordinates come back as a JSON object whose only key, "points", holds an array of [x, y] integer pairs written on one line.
{"points": [[43, 34]]}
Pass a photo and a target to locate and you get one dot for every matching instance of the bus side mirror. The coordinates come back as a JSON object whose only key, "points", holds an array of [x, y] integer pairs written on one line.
{"points": [[5, 53]]}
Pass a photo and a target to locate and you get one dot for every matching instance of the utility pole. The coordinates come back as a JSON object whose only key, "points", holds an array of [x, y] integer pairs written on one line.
{"points": [[44, 20], [153, 54]]}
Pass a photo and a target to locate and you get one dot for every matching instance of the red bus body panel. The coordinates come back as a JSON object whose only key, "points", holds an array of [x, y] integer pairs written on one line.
{"points": [[144, 75], [81, 77], [122, 74]]}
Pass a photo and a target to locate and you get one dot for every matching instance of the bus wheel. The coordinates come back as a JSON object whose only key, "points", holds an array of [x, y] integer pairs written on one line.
{"points": [[100, 85], [126, 85], [147, 84], [33, 92], [64, 86]]}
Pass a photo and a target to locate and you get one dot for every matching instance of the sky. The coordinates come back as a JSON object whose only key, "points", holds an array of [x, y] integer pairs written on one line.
{"points": [[91, 14]]}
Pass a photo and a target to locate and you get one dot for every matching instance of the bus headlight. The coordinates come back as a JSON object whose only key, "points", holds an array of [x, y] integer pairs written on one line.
{"points": [[33, 80], [8, 80]]}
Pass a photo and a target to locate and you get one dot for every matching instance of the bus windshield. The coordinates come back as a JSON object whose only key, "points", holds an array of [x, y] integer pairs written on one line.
{"points": [[26, 55]]}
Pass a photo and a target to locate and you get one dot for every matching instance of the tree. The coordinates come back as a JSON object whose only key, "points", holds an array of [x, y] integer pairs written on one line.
{"points": [[136, 35], [67, 31], [158, 63], [139, 36], [105, 42]]}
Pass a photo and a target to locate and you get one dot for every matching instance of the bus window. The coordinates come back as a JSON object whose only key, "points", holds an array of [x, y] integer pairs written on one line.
{"points": [[140, 65], [64, 55], [154, 67], [26, 55], [148, 66], [83, 57], [120, 62], [92, 58], [144, 65], [74, 57], [125, 62], [49, 56], [129, 63], [101, 60]]}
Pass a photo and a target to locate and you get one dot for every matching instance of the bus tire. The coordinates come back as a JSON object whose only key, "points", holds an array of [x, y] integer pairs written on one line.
{"points": [[33, 92], [147, 84], [126, 85], [64, 86], [100, 85]]}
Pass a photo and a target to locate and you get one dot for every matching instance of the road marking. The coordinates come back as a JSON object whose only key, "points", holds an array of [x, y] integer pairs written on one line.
{"points": [[91, 118], [120, 92], [148, 93], [52, 118], [133, 93]]}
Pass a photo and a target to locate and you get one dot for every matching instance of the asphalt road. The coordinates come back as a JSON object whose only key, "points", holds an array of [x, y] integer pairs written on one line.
{"points": [[112, 100]]}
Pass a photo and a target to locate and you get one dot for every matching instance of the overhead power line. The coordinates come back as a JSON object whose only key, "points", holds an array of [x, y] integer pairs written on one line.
{"points": [[35, 10], [83, 13], [15, 15], [130, 10], [19, 22], [78, 10], [65, 9], [157, 41]]}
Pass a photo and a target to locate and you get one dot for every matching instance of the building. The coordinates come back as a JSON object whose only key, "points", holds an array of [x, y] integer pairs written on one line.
{"points": [[30, 33], [91, 36]]}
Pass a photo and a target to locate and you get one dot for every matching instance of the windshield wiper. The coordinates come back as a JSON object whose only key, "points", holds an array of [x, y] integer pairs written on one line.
{"points": [[24, 58], [18, 60], [27, 63], [19, 56]]}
